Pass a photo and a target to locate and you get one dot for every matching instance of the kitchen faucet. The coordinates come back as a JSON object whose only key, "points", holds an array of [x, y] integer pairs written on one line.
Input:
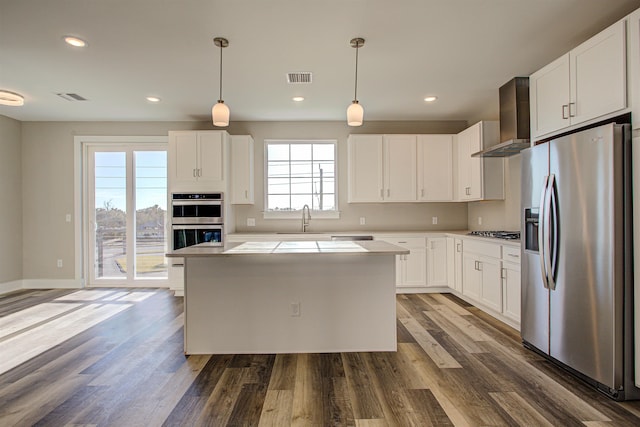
{"points": [[305, 218]]}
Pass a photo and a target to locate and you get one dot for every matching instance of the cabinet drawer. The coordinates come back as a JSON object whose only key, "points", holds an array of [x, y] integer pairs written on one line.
{"points": [[510, 253], [482, 248], [405, 242]]}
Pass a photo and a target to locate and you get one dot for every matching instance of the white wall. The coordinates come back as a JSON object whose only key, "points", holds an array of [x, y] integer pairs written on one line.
{"points": [[502, 214], [11, 202]]}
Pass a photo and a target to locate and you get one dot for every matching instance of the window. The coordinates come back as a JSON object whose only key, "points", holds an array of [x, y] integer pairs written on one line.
{"points": [[300, 173]]}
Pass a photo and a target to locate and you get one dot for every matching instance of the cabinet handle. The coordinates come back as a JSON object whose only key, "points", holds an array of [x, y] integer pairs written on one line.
{"points": [[565, 109], [503, 273], [199, 172], [514, 256], [246, 194], [459, 247], [571, 110], [194, 173]]}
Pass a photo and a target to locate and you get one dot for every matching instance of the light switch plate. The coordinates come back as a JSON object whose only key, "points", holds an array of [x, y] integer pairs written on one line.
{"points": [[251, 222]]}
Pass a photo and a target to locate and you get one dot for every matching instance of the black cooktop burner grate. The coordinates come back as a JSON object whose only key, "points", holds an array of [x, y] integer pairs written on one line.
{"points": [[507, 235]]}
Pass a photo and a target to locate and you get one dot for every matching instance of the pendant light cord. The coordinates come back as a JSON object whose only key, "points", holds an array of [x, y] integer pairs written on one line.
{"points": [[355, 94], [220, 99]]}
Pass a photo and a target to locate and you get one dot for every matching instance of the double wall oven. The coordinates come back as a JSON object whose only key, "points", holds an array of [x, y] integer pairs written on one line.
{"points": [[197, 218]]}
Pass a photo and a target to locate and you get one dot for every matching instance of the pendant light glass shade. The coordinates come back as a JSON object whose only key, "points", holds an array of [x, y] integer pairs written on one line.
{"points": [[355, 114], [220, 111], [220, 114]]}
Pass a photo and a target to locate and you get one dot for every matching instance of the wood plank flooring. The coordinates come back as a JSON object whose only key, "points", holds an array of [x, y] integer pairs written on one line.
{"points": [[455, 366]]}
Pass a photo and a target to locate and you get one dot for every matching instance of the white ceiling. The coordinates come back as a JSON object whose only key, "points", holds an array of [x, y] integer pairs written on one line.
{"points": [[460, 50]]}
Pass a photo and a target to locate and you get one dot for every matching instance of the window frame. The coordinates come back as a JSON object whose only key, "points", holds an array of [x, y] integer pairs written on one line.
{"points": [[295, 214]]}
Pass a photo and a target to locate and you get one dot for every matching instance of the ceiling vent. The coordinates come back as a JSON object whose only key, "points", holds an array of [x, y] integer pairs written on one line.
{"points": [[71, 96], [303, 77]]}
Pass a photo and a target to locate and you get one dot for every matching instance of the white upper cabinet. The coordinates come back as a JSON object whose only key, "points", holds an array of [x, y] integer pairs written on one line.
{"points": [[435, 168], [196, 160], [365, 158], [479, 178], [400, 168], [382, 168], [587, 83], [242, 188]]}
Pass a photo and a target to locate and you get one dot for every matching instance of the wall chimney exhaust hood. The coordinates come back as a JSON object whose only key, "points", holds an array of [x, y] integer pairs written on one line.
{"points": [[514, 120]]}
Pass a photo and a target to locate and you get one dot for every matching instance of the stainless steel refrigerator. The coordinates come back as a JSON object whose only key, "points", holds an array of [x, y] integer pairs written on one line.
{"points": [[577, 303]]}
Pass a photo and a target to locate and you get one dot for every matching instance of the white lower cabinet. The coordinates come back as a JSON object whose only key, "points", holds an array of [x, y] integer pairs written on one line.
{"points": [[511, 285], [457, 264], [411, 269], [482, 273], [437, 262]]}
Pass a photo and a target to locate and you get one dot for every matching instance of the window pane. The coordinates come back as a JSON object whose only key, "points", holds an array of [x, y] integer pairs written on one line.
{"points": [[278, 203], [278, 186], [151, 209], [110, 214], [278, 152], [278, 170], [299, 186], [298, 201], [323, 152], [300, 152]]}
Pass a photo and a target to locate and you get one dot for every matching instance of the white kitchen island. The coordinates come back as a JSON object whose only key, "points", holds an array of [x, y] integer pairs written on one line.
{"points": [[290, 297]]}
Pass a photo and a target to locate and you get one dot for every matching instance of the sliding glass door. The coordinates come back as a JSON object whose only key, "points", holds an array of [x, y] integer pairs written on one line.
{"points": [[126, 210]]}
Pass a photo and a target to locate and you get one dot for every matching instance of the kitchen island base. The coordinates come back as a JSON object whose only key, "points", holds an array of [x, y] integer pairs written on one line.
{"points": [[290, 303]]}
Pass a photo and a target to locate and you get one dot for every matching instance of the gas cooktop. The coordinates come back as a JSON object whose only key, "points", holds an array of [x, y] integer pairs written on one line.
{"points": [[507, 235]]}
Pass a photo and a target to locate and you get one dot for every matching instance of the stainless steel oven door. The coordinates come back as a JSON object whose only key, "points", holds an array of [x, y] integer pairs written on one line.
{"points": [[197, 212], [189, 235]]}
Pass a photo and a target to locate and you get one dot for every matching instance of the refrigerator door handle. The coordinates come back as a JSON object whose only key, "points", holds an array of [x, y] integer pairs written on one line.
{"points": [[552, 234], [546, 251], [541, 231]]}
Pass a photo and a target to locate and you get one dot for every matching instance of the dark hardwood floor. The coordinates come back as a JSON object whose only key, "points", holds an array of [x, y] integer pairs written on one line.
{"points": [[454, 366]]}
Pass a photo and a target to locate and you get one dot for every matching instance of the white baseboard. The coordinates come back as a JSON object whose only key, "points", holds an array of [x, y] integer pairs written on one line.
{"points": [[7, 287], [52, 284]]}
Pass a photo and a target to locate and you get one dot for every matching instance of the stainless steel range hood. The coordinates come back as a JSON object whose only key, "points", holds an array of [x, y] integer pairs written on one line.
{"points": [[514, 120]]}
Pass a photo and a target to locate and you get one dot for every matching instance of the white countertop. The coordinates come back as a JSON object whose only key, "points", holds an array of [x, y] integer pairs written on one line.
{"points": [[309, 247]]}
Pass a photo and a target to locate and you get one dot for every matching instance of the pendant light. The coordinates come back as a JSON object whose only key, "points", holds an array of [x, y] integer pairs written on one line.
{"points": [[355, 112], [220, 112]]}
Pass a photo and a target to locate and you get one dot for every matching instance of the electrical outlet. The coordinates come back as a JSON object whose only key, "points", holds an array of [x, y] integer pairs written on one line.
{"points": [[251, 222], [295, 309], [363, 220], [67, 217], [479, 220], [59, 263], [434, 220]]}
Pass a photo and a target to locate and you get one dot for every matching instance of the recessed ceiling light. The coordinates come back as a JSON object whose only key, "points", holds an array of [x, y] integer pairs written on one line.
{"points": [[153, 99], [298, 98], [11, 98], [430, 98], [75, 41]]}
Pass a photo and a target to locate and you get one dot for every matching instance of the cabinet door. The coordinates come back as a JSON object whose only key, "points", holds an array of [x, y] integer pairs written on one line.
{"points": [[634, 69], [400, 168], [414, 271], [549, 97], [185, 154], [511, 290], [457, 263], [598, 75], [435, 168], [471, 276], [491, 287], [365, 168], [211, 156], [242, 170], [470, 178], [437, 261]]}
